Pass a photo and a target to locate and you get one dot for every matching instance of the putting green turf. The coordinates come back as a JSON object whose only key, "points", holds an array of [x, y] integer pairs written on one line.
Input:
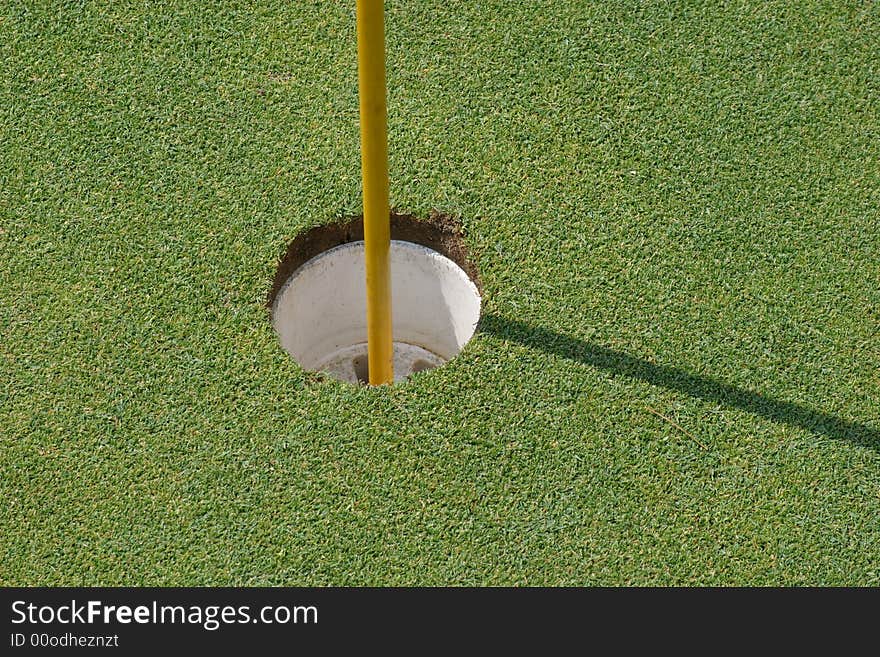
{"points": [[675, 207]]}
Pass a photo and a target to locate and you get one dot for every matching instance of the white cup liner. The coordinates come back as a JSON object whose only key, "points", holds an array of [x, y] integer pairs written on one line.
{"points": [[320, 313]]}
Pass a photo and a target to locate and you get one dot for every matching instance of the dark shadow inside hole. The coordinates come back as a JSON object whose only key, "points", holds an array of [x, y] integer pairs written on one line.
{"points": [[362, 369]]}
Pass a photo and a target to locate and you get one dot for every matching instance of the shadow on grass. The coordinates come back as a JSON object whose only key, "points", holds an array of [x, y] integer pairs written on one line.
{"points": [[707, 389]]}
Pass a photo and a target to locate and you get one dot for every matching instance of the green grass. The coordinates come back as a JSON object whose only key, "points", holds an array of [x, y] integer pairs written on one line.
{"points": [[675, 207]]}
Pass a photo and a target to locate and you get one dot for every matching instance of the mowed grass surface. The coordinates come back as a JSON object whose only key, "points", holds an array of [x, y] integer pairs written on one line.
{"points": [[675, 207]]}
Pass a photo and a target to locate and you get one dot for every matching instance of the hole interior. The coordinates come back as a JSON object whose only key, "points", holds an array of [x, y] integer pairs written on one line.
{"points": [[316, 307]]}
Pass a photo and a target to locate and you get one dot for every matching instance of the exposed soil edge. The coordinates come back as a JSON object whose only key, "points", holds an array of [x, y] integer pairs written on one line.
{"points": [[439, 232]]}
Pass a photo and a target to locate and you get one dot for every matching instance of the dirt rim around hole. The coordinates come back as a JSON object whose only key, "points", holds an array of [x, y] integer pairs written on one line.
{"points": [[439, 232]]}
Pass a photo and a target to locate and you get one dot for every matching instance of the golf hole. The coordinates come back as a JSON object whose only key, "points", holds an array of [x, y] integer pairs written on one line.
{"points": [[318, 301]]}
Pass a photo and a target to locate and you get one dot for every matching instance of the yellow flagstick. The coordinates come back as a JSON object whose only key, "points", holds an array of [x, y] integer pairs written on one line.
{"points": [[374, 164]]}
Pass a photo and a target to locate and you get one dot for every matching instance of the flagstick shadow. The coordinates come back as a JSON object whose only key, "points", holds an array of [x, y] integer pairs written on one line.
{"points": [[705, 388]]}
